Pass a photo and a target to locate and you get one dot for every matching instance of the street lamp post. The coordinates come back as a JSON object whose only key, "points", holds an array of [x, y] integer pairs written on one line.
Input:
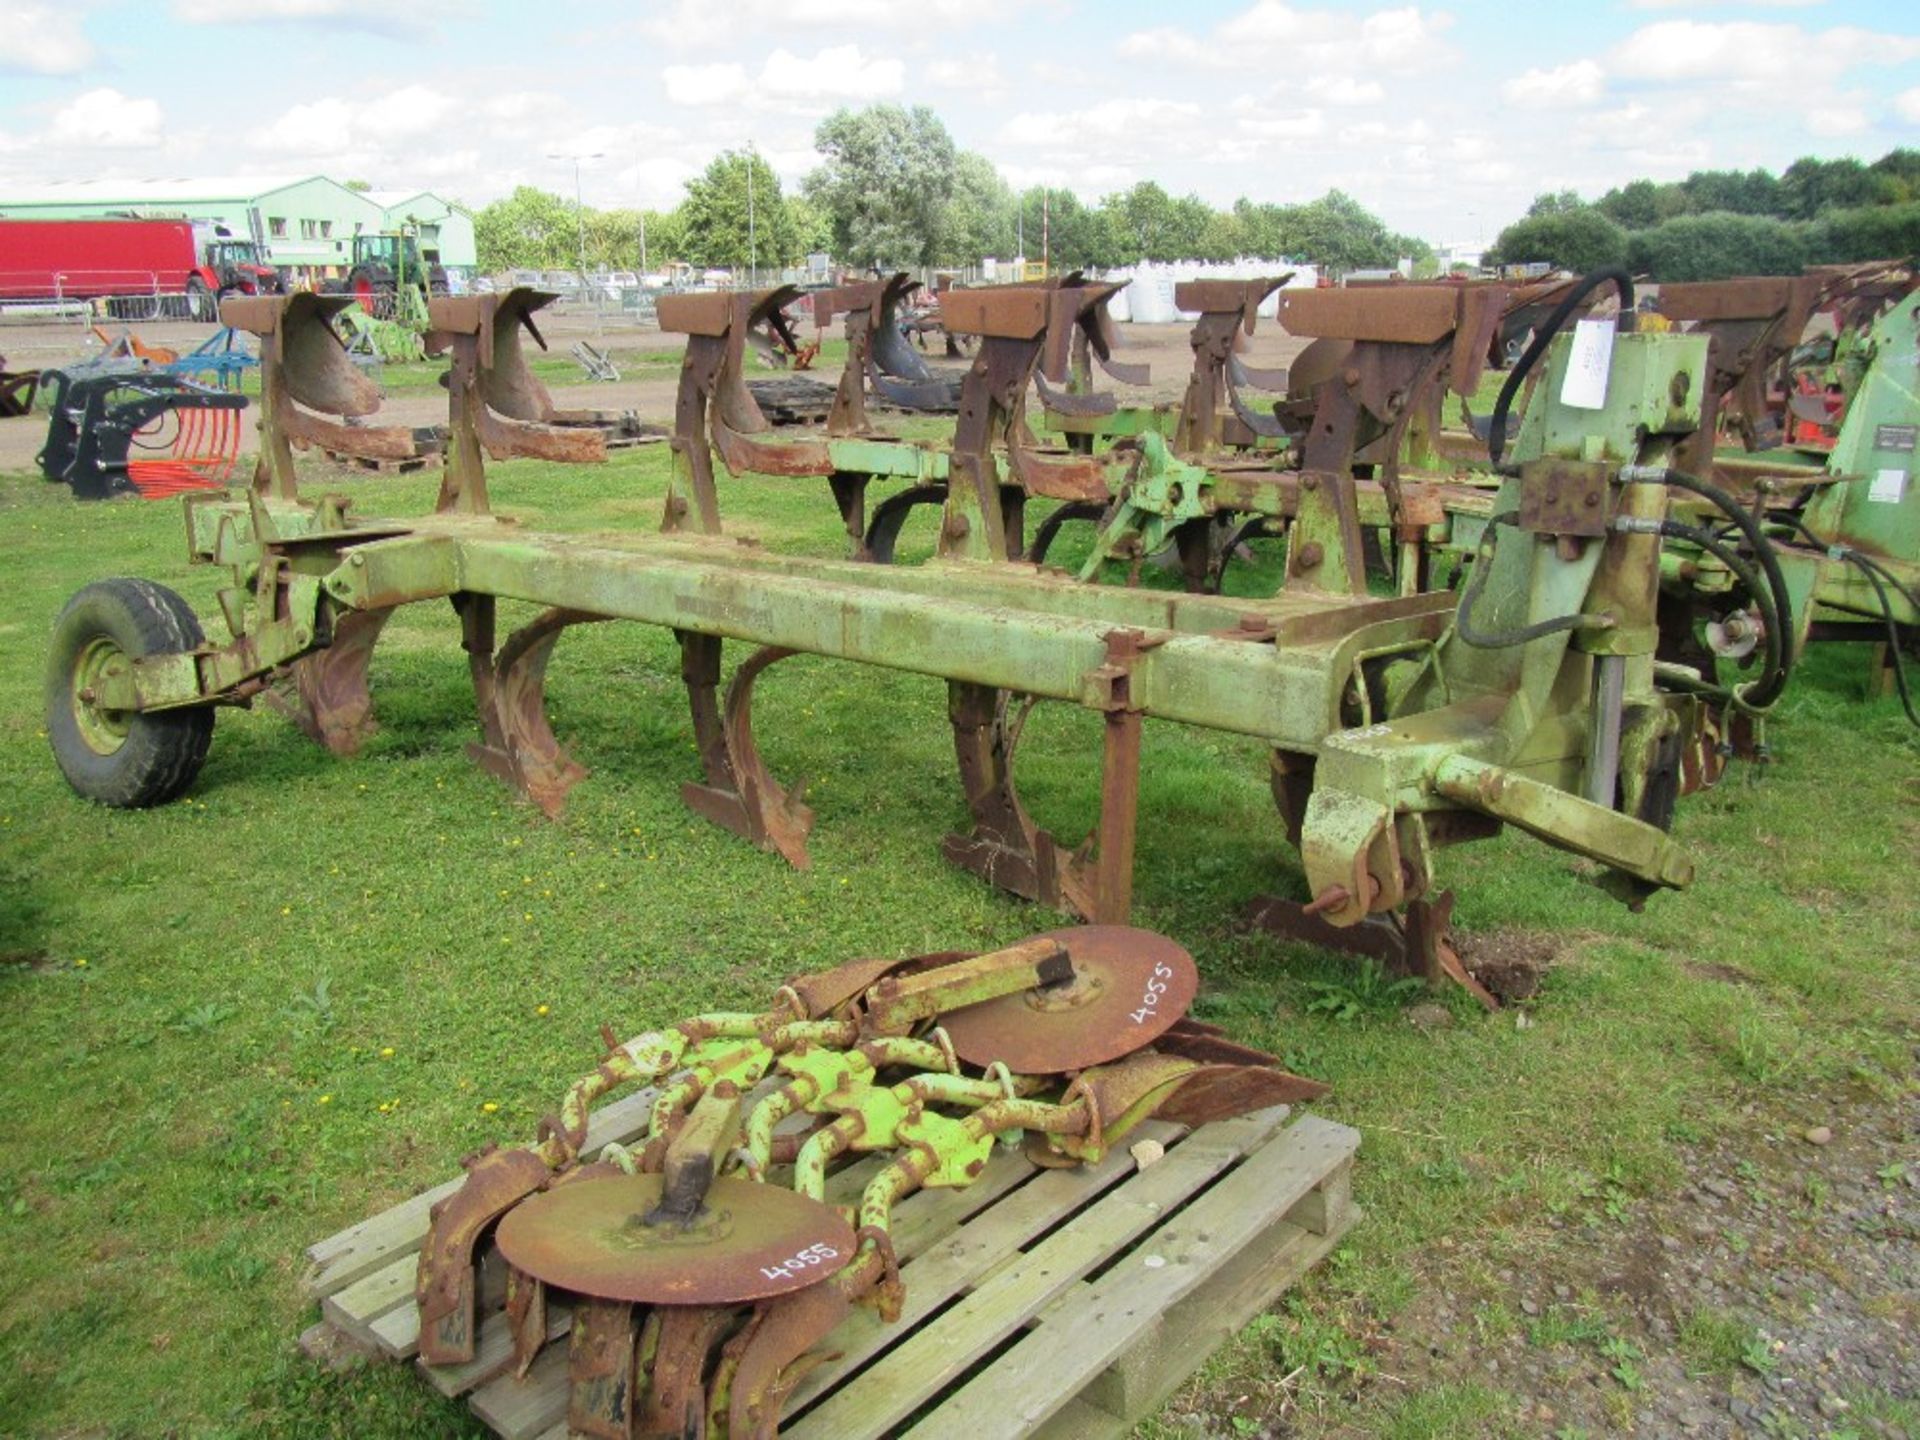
{"points": [[579, 207], [580, 216]]}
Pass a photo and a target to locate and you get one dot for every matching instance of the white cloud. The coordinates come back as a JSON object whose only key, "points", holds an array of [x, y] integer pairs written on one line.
{"points": [[43, 39], [976, 74], [1753, 50], [1907, 105], [1832, 121], [1580, 82], [796, 83], [1098, 125], [397, 122], [104, 119], [1346, 90], [306, 129], [410, 111], [721, 84], [697, 24], [378, 17], [1304, 41], [1709, 4]]}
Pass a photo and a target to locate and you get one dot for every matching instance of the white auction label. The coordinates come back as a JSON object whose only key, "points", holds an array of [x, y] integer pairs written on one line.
{"points": [[1888, 486], [1585, 385]]}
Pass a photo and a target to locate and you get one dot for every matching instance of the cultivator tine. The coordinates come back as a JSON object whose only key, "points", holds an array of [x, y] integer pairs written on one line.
{"points": [[600, 1370], [1419, 944], [526, 1311], [894, 357], [1005, 847], [446, 1286], [512, 389], [494, 402], [304, 364], [325, 694], [740, 793], [772, 1357], [1250, 377], [890, 517], [518, 743], [1103, 338], [676, 1401]]}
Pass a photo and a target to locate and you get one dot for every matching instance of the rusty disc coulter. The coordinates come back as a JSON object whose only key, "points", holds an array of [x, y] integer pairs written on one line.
{"points": [[706, 1262]]}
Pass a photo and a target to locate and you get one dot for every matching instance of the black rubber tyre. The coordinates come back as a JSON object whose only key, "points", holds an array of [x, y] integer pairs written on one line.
{"points": [[122, 758], [201, 304]]}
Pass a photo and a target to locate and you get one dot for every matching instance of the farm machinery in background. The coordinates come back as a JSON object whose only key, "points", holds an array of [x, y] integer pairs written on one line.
{"points": [[1395, 726], [139, 269], [389, 278]]}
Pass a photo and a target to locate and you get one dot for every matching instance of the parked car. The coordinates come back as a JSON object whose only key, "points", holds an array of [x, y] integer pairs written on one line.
{"points": [[517, 278], [613, 284], [564, 283]]}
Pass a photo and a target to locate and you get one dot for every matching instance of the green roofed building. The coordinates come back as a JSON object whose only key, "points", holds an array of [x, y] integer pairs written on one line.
{"points": [[304, 225]]}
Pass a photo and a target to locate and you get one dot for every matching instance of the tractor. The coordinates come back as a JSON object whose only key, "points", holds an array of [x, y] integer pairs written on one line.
{"points": [[234, 267], [386, 267]]}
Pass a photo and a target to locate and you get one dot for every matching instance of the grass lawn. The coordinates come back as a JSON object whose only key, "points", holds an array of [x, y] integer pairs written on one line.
{"points": [[243, 1021]]}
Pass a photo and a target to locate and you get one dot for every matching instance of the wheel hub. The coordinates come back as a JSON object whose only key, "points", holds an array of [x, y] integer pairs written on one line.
{"points": [[104, 729]]}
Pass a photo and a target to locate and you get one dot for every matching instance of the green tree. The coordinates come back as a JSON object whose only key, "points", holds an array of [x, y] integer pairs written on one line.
{"points": [[1075, 236], [1868, 232], [529, 229], [1640, 203], [666, 237], [811, 232], [1564, 202], [980, 218], [1718, 246], [1194, 235], [1902, 168], [1338, 233], [613, 239], [1581, 240], [1143, 222], [1810, 186], [1748, 192], [735, 215], [886, 184]]}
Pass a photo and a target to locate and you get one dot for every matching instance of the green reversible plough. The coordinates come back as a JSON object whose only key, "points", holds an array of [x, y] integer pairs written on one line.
{"points": [[1396, 726]]}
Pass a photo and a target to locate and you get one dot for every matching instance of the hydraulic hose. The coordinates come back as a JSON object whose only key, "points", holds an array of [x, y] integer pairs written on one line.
{"points": [[1763, 551], [1617, 276], [1773, 677], [1480, 639], [1879, 577]]}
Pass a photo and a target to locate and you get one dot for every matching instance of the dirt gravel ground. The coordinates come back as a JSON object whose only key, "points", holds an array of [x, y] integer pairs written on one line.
{"points": [[1776, 1295]]}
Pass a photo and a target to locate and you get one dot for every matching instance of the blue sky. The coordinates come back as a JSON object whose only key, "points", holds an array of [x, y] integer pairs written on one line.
{"points": [[1445, 119]]}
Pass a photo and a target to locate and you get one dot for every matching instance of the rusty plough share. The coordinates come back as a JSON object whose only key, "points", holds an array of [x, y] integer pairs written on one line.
{"points": [[1396, 726], [703, 1265]]}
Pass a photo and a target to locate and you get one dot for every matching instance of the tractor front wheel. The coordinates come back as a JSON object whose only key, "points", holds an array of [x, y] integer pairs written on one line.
{"points": [[201, 304], [128, 759]]}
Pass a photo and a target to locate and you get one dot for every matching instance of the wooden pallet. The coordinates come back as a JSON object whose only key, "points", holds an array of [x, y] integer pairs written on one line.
{"points": [[1067, 1304], [374, 465]]}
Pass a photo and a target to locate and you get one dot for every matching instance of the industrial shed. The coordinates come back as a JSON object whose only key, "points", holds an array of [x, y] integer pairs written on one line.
{"points": [[304, 225]]}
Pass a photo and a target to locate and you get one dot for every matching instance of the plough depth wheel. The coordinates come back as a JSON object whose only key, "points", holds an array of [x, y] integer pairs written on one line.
{"points": [[122, 757]]}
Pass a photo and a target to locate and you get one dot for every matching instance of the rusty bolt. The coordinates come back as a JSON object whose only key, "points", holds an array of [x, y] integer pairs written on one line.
{"points": [[1593, 499], [1310, 555], [1352, 377], [1682, 383], [1309, 482]]}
